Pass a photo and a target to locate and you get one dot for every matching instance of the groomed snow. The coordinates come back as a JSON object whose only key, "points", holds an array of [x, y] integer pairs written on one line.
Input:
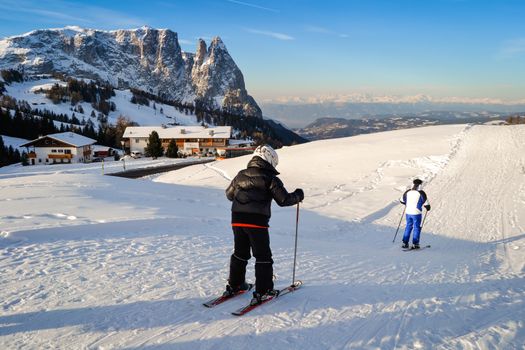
{"points": [[99, 262]]}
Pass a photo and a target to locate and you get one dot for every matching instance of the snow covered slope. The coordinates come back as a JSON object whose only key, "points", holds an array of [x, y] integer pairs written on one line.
{"points": [[98, 262], [144, 115], [14, 142]]}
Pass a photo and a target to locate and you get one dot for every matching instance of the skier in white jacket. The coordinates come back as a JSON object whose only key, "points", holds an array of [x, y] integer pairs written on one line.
{"points": [[414, 200]]}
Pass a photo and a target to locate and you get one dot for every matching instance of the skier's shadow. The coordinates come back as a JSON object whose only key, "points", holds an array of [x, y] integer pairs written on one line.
{"points": [[316, 297], [136, 315]]}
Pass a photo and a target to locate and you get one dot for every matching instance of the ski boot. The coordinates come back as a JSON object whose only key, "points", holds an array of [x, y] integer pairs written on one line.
{"points": [[259, 298], [405, 245], [415, 246], [234, 290]]}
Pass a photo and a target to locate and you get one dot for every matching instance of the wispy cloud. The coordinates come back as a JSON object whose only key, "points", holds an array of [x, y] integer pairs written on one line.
{"points": [[326, 31], [66, 13], [253, 5], [275, 35], [512, 48], [186, 42]]}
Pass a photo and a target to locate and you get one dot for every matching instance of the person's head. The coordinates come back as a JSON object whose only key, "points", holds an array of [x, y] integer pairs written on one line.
{"points": [[417, 183], [268, 154]]}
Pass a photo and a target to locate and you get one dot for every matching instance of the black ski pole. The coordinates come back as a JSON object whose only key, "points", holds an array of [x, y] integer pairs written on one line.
{"points": [[399, 225], [295, 250], [424, 217]]}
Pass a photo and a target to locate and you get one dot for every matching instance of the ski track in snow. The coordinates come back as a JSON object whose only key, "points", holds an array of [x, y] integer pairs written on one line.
{"points": [[133, 273]]}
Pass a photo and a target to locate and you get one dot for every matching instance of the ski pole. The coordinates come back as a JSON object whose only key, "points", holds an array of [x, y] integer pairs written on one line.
{"points": [[295, 250], [399, 225], [424, 217]]}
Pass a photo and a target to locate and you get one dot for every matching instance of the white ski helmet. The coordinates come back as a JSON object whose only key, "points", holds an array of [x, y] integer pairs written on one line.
{"points": [[268, 154]]}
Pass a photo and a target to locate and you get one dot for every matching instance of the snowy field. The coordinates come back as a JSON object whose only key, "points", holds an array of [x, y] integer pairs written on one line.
{"points": [[98, 262]]}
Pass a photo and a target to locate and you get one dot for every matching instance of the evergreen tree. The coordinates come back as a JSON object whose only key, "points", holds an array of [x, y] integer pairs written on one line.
{"points": [[25, 159], [173, 150], [154, 148], [3, 153]]}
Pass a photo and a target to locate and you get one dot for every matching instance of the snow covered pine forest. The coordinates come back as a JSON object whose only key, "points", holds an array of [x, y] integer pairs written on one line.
{"points": [[99, 262]]}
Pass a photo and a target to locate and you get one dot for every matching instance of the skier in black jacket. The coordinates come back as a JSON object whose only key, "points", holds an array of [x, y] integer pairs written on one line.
{"points": [[251, 193]]}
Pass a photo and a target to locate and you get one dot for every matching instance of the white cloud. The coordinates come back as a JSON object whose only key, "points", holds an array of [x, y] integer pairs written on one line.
{"points": [[321, 30], [66, 13], [275, 35], [186, 42], [371, 98], [253, 5], [326, 31], [513, 47]]}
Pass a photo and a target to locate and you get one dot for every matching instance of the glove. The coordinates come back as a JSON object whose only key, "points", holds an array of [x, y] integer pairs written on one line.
{"points": [[299, 193], [427, 207]]}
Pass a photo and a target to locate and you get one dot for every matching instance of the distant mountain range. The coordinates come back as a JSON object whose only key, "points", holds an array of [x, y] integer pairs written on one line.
{"points": [[146, 58], [329, 128], [300, 113]]}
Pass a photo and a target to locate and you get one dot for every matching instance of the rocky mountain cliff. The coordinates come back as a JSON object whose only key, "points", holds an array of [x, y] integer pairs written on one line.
{"points": [[147, 59]]}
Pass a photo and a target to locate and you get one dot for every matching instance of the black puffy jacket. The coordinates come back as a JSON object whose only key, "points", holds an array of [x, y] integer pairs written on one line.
{"points": [[252, 191]]}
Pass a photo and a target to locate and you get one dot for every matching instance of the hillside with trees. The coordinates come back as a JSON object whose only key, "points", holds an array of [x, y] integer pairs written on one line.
{"points": [[21, 119]]}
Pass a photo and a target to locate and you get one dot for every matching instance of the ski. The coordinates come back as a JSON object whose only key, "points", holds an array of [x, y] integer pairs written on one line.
{"points": [[411, 249], [219, 300], [244, 310]]}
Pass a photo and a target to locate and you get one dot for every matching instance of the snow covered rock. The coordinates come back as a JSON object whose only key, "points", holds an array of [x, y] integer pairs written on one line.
{"points": [[146, 58]]}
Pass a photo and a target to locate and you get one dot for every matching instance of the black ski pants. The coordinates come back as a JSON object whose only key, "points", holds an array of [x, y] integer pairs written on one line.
{"points": [[258, 240]]}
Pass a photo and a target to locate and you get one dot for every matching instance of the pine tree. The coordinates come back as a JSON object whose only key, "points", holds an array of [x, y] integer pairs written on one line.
{"points": [[173, 150], [25, 159], [154, 148], [3, 153]]}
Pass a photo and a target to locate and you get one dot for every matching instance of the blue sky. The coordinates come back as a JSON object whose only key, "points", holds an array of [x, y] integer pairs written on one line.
{"points": [[442, 48]]}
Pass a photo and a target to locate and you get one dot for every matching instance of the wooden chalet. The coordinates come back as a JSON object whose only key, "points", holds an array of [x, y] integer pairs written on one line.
{"points": [[66, 147], [190, 139]]}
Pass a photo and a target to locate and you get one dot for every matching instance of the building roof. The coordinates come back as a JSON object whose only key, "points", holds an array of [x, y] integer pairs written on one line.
{"points": [[70, 138], [179, 132]]}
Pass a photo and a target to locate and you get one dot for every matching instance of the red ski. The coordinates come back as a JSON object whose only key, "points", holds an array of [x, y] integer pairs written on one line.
{"points": [[284, 291], [219, 300]]}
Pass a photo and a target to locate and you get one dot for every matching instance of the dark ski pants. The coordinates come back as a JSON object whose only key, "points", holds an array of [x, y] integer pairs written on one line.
{"points": [[258, 240], [413, 223]]}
